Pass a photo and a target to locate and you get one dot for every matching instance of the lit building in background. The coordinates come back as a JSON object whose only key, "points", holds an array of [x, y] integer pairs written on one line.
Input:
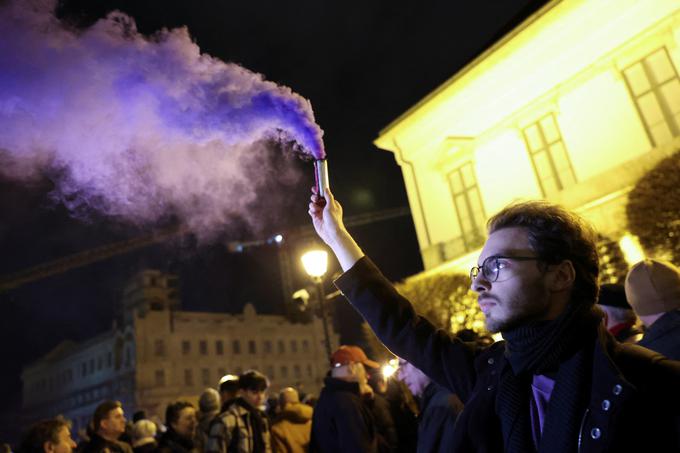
{"points": [[572, 106], [161, 354]]}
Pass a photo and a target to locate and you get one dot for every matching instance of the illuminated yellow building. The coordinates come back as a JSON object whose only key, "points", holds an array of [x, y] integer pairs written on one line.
{"points": [[573, 106]]}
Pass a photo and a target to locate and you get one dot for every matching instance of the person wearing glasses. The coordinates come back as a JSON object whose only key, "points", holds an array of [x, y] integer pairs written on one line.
{"points": [[558, 382]]}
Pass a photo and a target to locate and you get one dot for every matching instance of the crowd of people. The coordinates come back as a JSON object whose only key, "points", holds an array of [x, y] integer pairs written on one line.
{"points": [[583, 367]]}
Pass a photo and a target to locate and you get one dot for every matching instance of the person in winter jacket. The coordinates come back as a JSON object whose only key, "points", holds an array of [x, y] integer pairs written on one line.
{"points": [[292, 428]]}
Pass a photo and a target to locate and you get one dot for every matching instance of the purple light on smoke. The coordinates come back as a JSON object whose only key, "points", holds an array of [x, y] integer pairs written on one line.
{"points": [[139, 127]]}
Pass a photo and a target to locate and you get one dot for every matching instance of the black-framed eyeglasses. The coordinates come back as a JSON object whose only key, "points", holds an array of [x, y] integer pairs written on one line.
{"points": [[491, 267]]}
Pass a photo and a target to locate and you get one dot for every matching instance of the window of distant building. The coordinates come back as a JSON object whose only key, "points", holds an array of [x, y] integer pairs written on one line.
{"points": [[467, 202], [160, 378], [159, 348], [186, 347], [219, 347], [267, 347], [270, 372], [203, 347], [252, 348], [236, 345], [293, 346], [305, 346], [297, 372], [549, 155], [310, 372], [284, 372], [188, 377], [281, 346], [655, 87], [205, 376]]}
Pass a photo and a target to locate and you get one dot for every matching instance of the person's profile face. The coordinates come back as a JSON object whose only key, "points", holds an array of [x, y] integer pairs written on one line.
{"points": [[65, 443], [186, 423], [518, 293], [114, 423]]}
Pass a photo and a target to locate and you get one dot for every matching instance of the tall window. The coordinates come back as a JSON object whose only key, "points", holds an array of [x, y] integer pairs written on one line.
{"points": [[236, 346], [252, 348], [281, 346], [188, 377], [654, 85], [219, 347], [159, 348], [205, 376], [468, 204], [284, 371], [203, 347], [186, 347], [267, 346], [305, 346], [293, 345], [160, 378], [549, 155]]}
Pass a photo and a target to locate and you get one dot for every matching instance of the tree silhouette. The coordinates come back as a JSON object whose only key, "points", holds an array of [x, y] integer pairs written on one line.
{"points": [[653, 209]]}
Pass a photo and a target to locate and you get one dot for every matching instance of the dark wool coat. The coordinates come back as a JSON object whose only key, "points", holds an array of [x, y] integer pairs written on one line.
{"points": [[634, 401], [439, 410], [342, 421], [664, 335]]}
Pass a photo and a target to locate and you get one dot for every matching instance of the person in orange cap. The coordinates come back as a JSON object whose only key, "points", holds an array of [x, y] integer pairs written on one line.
{"points": [[342, 420]]}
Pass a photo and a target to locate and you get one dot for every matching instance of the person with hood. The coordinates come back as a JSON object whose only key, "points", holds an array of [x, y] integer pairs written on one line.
{"points": [[180, 419], [292, 428], [209, 407], [653, 290]]}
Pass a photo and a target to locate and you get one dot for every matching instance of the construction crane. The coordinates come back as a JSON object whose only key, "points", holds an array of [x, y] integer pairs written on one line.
{"points": [[84, 258]]}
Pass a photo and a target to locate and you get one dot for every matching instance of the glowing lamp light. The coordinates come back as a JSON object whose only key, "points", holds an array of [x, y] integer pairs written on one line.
{"points": [[388, 370], [631, 249], [278, 238], [315, 263]]}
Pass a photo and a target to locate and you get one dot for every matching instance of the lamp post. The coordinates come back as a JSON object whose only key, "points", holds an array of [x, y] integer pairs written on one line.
{"points": [[315, 263]]}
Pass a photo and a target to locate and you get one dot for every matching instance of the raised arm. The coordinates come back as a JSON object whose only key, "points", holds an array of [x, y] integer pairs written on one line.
{"points": [[444, 359]]}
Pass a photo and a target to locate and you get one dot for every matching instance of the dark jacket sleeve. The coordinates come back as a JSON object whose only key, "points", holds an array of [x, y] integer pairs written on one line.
{"points": [[445, 359], [356, 427]]}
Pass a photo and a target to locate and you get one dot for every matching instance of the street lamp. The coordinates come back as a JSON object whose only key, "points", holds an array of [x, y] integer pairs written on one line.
{"points": [[315, 263]]}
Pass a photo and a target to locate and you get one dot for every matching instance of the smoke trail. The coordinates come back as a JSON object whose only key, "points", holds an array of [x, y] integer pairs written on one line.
{"points": [[139, 127]]}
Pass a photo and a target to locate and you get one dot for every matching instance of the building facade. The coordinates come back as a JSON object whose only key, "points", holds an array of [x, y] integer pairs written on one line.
{"points": [[161, 354], [572, 106]]}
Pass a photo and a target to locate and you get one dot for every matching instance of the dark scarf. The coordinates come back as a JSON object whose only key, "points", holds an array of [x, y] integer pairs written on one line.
{"points": [[176, 443], [562, 348], [256, 423]]}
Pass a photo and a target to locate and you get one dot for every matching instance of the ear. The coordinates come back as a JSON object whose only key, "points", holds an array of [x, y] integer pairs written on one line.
{"points": [[48, 447], [563, 277]]}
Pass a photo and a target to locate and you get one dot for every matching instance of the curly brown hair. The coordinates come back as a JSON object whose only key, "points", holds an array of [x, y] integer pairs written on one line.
{"points": [[556, 234]]}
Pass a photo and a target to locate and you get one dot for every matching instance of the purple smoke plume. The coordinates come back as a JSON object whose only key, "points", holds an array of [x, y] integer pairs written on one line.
{"points": [[138, 127]]}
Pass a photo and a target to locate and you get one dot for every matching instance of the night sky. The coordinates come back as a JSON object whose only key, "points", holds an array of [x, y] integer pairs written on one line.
{"points": [[361, 64]]}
